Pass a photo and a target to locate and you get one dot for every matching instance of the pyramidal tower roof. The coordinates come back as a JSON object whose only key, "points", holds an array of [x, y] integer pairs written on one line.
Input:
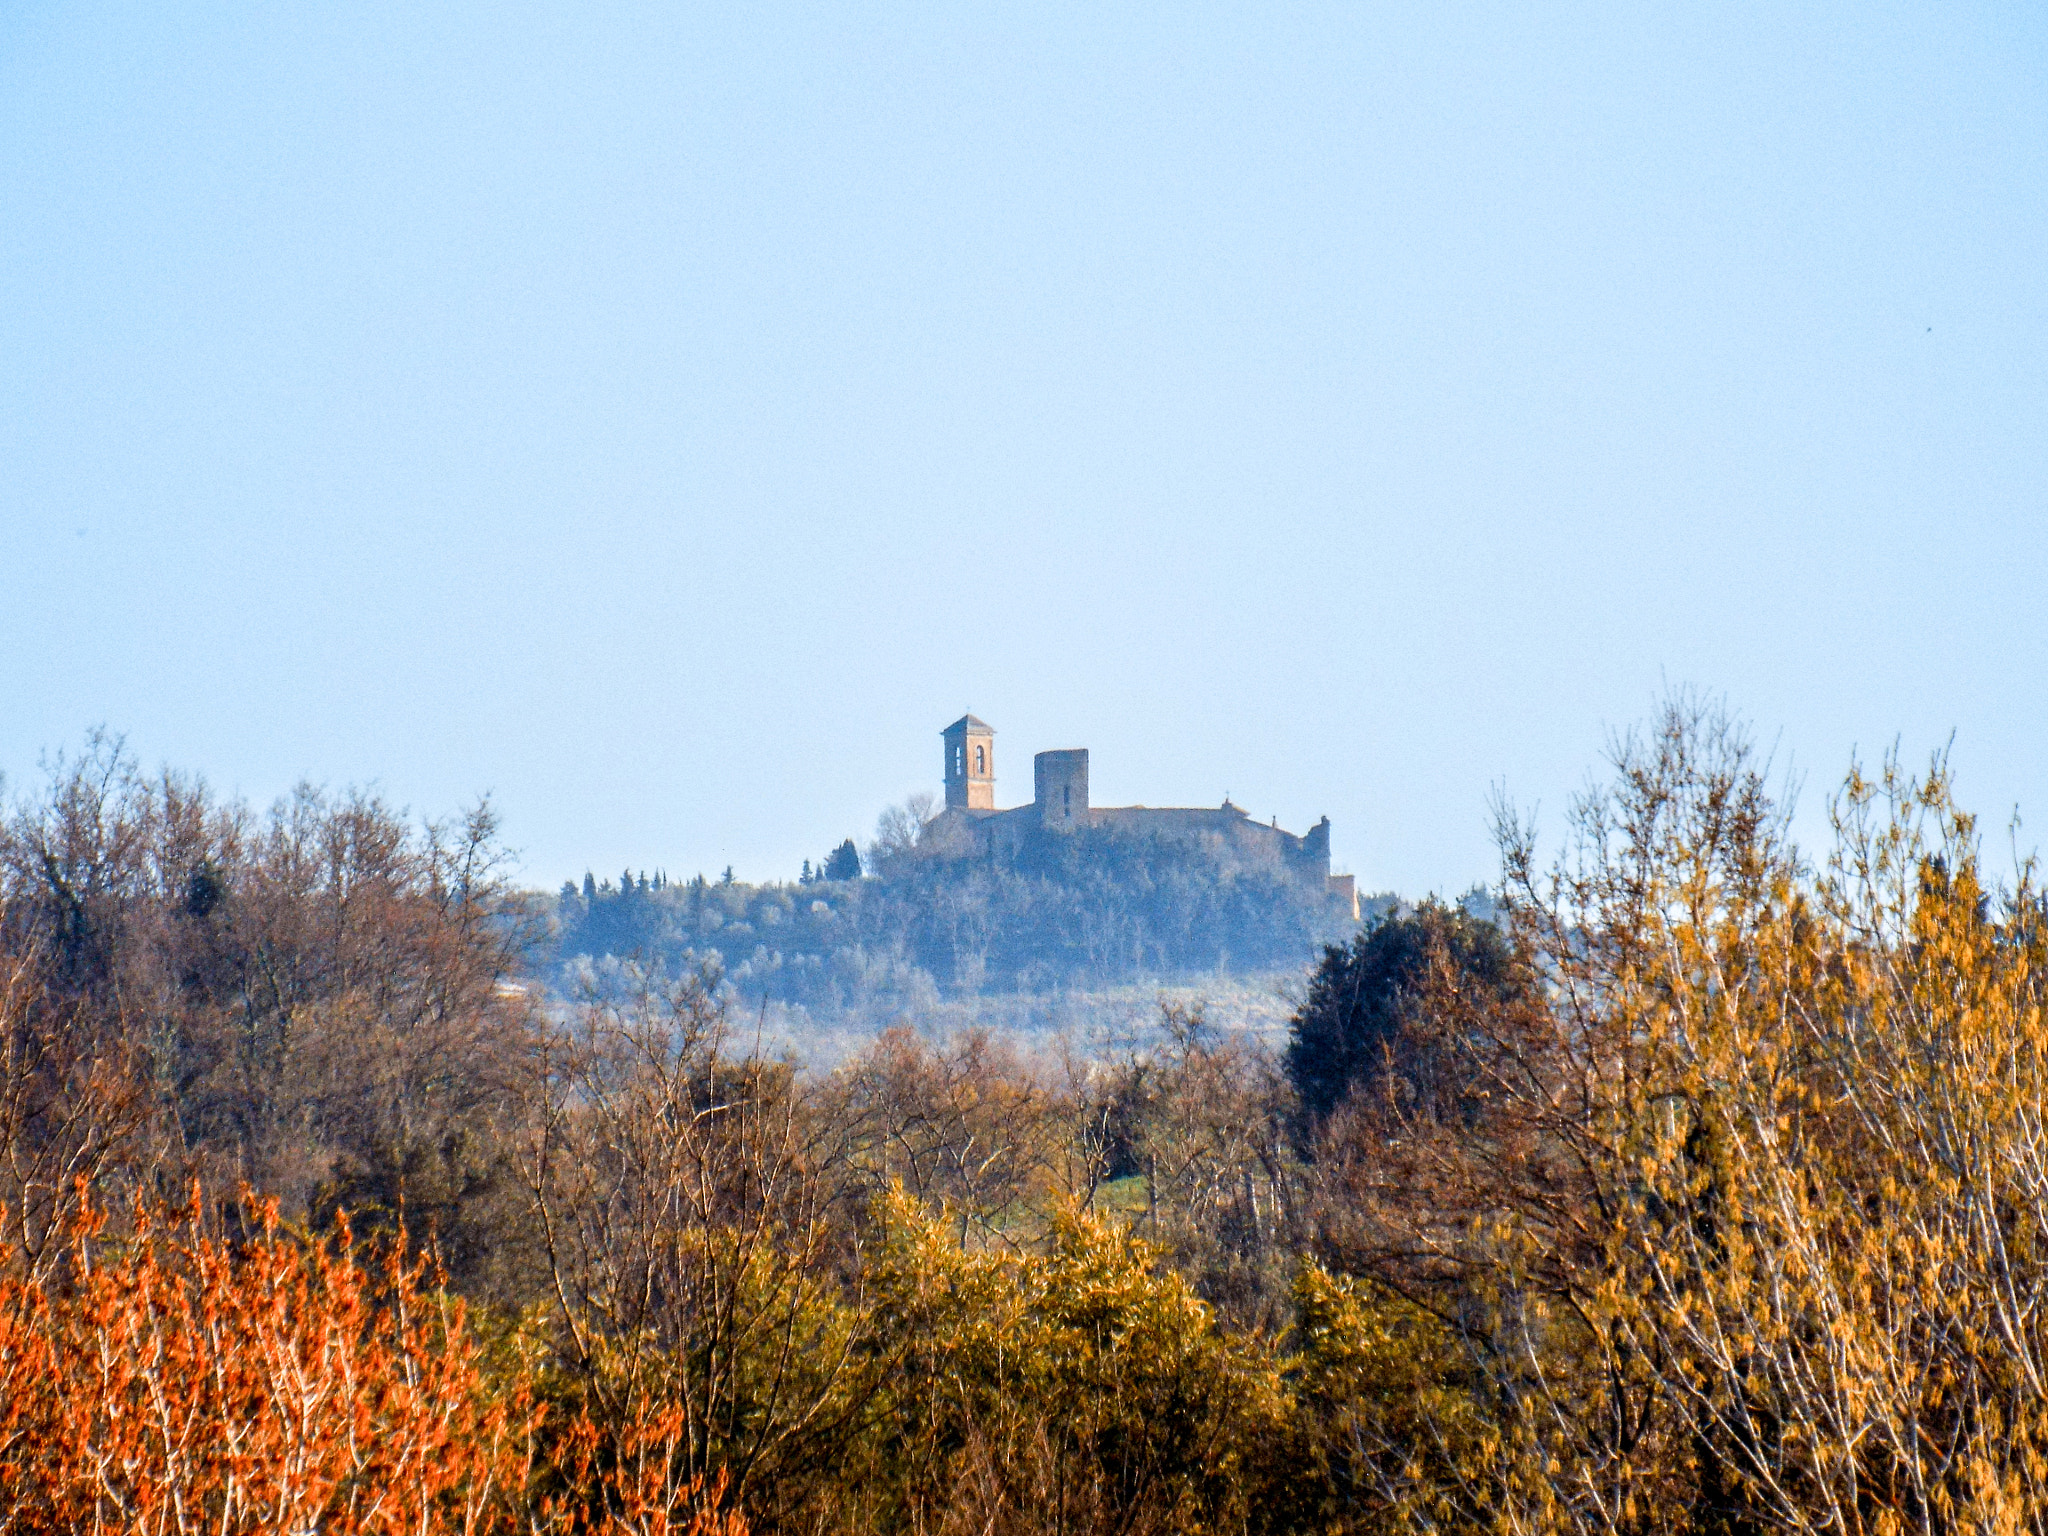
{"points": [[971, 725]]}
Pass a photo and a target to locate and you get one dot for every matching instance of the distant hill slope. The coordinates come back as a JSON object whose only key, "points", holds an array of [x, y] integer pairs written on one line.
{"points": [[1086, 909]]}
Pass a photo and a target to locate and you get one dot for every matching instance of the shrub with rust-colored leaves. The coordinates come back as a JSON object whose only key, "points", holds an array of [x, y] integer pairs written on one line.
{"points": [[176, 1383]]}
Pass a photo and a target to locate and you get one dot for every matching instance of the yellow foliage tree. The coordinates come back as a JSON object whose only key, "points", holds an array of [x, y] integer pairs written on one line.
{"points": [[1079, 1388], [1739, 1216]]}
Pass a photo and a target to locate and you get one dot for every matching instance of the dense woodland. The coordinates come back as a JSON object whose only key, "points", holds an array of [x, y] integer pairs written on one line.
{"points": [[1707, 1192], [1080, 909]]}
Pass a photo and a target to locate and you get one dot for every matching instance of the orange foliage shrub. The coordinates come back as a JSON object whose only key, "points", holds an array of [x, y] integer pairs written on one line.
{"points": [[178, 1383], [630, 1482], [172, 1384]]}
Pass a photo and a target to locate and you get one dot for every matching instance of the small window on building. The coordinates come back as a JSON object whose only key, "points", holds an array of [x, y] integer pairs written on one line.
{"points": [[980, 761], [1067, 798]]}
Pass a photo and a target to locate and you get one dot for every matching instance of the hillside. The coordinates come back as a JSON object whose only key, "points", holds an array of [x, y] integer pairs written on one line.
{"points": [[1091, 910]]}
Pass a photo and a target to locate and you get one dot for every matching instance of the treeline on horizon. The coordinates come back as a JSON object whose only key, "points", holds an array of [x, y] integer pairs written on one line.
{"points": [[1705, 1192], [1092, 908]]}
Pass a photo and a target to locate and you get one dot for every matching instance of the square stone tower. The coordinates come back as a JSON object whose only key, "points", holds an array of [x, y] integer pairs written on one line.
{"points": [[1059, 788], [970, 764]]}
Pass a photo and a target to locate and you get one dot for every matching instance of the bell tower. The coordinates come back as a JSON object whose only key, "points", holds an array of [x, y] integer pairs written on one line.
{"points": [[970, 765]]}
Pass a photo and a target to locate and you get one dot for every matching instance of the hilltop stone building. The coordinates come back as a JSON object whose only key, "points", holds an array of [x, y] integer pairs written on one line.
{"points": [[971, 825]]}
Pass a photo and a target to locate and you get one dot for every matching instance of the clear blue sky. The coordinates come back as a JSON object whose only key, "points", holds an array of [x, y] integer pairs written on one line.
{"points": [[668, 418]]}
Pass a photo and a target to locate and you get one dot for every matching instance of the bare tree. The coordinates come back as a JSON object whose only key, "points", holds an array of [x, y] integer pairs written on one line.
{"points": [[318, 1001], [696, 1266], [1207, 1118], [900, 830], [966, 1126], [72, 1107]]}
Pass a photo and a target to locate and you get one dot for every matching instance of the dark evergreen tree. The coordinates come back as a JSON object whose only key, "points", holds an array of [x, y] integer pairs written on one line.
{"points": [[589, 887], [843, 863], [205, 888], [1353, 1027]]}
